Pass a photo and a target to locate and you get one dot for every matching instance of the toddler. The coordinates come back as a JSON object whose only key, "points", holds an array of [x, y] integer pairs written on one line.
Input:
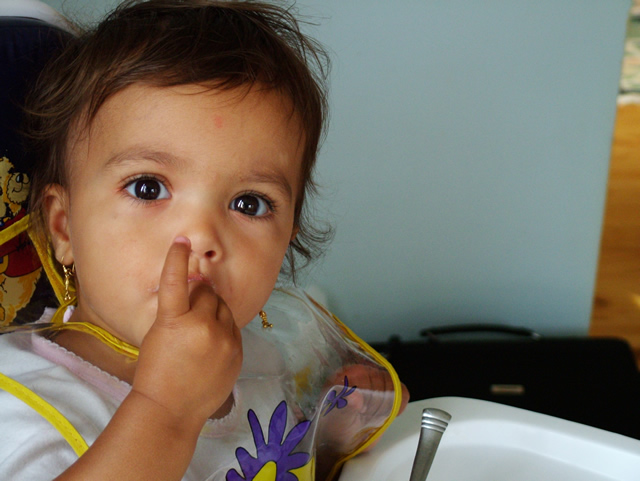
{"points": [[176, 143]]}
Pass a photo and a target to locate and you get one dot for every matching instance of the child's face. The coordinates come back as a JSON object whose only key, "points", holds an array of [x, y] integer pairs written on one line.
{"points": [[157, 163]]}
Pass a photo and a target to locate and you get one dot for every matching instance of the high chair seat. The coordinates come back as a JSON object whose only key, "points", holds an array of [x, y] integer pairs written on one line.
{"points": [[30, 33], [33, 9], [486, 441]]}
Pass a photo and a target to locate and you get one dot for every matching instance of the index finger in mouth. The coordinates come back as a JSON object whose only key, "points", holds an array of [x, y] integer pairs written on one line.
{"points": [[173, 290]]}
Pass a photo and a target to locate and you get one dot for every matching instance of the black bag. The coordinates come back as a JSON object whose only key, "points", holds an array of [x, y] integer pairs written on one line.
{"points": [[588, 380]]}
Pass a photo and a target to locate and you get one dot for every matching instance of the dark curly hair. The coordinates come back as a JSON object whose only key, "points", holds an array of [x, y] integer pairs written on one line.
{"points": [[164, 43]]}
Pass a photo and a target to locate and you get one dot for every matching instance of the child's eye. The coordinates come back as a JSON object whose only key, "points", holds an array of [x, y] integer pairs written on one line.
{"points": [[147, 189], [251, 205]]}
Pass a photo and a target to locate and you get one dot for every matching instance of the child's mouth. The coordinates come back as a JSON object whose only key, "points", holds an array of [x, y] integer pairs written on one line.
{"points": [[200, 277], [191, 278]]}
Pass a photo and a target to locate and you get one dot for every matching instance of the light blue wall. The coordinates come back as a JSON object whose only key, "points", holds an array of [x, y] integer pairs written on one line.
{"points": [[83, 10], [466, 163], [467, 160]]}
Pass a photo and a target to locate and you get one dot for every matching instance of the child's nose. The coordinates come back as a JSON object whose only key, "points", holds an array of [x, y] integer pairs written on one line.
{"points": [[204, 231], [205, 245]]}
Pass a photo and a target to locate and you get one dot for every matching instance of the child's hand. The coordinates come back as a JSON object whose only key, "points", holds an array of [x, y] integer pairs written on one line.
{"points": [[350, 415], [189, 361], [191, 357], [367, 397]]}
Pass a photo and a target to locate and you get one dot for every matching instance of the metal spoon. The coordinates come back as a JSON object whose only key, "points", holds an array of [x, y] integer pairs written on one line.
{"points": [[434, 423]]}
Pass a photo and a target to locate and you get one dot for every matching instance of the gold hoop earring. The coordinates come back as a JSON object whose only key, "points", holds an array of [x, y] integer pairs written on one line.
{"points": [[68, 276], [265, 324]]}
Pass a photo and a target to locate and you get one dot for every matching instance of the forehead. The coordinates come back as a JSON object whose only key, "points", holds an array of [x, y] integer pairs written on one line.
{"points": [[192, 122]]}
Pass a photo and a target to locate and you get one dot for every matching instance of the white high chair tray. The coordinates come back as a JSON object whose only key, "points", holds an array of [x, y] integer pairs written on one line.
{"points": [[491, 442]]}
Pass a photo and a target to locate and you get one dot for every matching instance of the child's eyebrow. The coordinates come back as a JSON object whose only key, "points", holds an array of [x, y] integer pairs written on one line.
{"points": [[134, 154], [275, 178]]}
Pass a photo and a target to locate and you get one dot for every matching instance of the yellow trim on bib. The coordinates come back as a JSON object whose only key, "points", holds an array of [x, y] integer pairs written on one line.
{"points": [[101, 334], [42, 248], [47, 411], [14, 229], [46, 258], [397, 390], [397, 400]]}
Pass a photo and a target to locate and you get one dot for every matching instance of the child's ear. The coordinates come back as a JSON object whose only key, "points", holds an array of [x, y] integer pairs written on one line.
{"points": [[56, 205], [294, 233]]}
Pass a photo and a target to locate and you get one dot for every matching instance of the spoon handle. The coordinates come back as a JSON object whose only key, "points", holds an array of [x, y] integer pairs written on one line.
{"points": [[434, 423]]}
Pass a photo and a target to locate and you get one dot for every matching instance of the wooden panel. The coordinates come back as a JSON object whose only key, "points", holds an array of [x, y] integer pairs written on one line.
{"points": [[616, 310]]}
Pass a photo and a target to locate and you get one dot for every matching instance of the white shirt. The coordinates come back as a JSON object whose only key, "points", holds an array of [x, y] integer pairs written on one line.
{"points": [[278, 398]]}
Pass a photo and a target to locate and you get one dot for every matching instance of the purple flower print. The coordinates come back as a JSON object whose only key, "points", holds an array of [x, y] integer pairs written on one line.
{"points": [[278, 449], [339, 401]]}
